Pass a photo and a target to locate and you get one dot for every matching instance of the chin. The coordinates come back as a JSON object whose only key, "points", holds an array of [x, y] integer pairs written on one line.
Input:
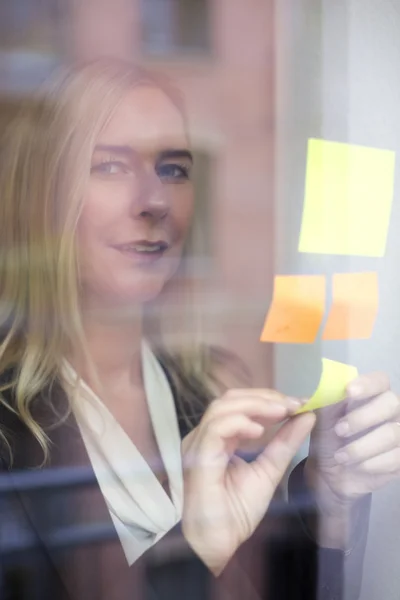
{"points": [[146, 291], [144, 297], [122, 289]]}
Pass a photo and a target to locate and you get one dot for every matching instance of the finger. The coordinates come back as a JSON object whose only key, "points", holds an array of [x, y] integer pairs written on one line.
{"points": [[380, 440], [212, 446], [252, 406], [282, 448], [268, 395], [378, 410], [386, 463], [232, 426], [329, 416], [206, 464], [366, 386]]}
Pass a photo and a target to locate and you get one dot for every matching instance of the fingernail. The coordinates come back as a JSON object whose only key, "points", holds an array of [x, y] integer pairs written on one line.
{"points": [[293, 404], [342, 429], [258, 428], [354, 389], [341, 457]]}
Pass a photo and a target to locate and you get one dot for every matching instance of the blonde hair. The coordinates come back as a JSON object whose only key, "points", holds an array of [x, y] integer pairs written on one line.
{"points": [[44, 165]]}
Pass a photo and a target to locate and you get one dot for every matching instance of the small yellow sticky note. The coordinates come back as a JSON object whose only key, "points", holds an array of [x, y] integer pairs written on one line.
{"points": [[332, 385], [348, 199]]}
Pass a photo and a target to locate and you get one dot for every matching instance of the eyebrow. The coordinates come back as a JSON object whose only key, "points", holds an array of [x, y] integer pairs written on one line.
{"points": [[128, 151], [178, 153]]}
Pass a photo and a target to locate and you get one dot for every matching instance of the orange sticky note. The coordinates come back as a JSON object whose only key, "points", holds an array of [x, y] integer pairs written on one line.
{"points": [[354, 307], [297, 309]]}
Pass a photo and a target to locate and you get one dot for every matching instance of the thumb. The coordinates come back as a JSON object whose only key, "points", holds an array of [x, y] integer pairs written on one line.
{"points": [[282, 448], [328, 416]]}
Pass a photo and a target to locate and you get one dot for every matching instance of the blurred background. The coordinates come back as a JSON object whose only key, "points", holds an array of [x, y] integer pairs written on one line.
{"points": [[260, 77]]}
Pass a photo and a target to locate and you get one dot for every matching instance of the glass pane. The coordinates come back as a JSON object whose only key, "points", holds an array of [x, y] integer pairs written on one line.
{"points": [[158, 18], [174, 26]]}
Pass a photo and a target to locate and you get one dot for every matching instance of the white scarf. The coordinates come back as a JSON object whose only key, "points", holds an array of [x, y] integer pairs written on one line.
{"points": [[140, 508]]}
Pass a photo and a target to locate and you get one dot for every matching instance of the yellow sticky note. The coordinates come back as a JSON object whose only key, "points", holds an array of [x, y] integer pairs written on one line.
{"points": [[348, 199], [332, 385]]}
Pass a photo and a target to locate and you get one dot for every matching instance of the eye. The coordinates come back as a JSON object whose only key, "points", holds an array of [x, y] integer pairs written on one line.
{"points": [[110, 167], [173, 172]]}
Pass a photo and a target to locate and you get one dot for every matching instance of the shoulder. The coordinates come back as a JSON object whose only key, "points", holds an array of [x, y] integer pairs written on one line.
{"points": [[46, 411], [10, 422]]}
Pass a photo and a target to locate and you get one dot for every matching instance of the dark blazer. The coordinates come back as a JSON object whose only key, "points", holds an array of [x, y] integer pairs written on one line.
{"points": [[58, 542]]}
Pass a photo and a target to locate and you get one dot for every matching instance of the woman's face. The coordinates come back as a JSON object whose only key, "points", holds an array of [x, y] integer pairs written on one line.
{"points": [[138, 202]]}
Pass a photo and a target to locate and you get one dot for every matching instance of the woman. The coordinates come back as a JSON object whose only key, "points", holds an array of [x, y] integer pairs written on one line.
{"points": [[96, 207]]}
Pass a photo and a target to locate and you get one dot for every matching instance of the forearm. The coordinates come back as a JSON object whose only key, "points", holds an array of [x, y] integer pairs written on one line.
{"points": [[340, 523], [340, 538]]}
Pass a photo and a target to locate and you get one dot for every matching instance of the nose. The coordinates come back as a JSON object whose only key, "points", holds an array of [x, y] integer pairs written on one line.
{"points": [[153, 200]]}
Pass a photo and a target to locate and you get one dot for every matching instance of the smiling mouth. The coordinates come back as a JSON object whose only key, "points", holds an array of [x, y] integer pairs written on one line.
{"points": [[144, 251]]}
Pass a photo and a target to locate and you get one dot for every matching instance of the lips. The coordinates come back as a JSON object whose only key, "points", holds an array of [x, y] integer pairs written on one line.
{"points": [[143, 251], [144, 246]]}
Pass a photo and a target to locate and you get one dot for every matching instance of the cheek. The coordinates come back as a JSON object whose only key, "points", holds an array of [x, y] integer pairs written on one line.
{"points": [[182, 209], [101, 209], [98, 219]]}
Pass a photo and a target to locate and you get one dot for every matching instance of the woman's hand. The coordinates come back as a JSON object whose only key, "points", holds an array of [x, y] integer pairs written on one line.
{"points": [[225, 497], [354, 449]]}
